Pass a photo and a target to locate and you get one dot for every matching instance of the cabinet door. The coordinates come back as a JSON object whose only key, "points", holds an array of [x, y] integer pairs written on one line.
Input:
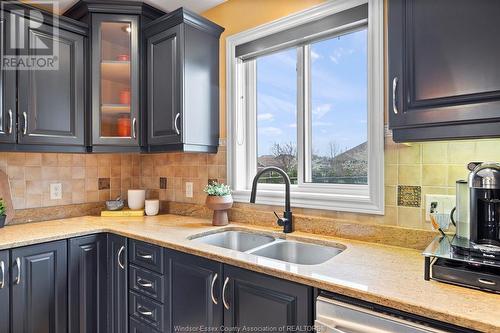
{"points": [[255, 300], [115, 78], [52, 97], [87, 284], [438, 79], [39, 288], [195, 300], [7, 86], [164, 52], [117, 284], [4, 292]]}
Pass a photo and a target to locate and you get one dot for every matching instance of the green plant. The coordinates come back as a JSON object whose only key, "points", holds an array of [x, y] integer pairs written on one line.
{"points": [[217, 190], [3, 209]]}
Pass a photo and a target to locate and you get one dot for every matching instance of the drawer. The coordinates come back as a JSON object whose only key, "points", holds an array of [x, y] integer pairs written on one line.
{"points": [[137, 327], [146, 255], [147, 283], [146, 311]]}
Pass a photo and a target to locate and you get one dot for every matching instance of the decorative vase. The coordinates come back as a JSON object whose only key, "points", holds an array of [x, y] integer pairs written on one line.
{"points": [[220, 205], [2, 220]]}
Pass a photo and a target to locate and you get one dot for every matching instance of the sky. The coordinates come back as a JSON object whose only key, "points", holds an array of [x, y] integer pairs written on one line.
{"points": [[338, 94]]}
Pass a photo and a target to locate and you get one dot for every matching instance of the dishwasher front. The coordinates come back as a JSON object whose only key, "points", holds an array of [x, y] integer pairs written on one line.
{"points": [[338, 316]]}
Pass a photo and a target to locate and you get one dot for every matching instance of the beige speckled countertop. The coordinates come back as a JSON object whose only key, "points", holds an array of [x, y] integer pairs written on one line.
{"points": [[386, 275]]}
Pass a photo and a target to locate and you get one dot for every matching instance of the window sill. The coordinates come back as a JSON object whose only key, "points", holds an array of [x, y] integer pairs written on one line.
{"points": [[325, 201]]}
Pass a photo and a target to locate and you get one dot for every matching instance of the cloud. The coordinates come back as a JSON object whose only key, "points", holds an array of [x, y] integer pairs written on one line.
{"points": [[322, 123], [272, 103], [292, 125], [271, 130], [265, 117], [315, 55], [321, 110], [339, 53]]}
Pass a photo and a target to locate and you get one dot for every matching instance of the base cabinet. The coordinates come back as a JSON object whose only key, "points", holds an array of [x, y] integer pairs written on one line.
{"points": [[4, 292], [263, 303], [117, 284], [87, 286], [39, 288]]}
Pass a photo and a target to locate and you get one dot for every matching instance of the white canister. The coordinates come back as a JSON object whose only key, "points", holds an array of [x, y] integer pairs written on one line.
{"points": [[152, 207], [136, 199]]}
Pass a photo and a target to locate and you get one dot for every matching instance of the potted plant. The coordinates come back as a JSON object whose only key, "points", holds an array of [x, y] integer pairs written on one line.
{"points": [[3, 210], [220, 200]]}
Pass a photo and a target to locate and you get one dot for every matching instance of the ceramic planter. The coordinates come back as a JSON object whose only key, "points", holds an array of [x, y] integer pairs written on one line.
{"points": [[2, 220], [220, 205]]}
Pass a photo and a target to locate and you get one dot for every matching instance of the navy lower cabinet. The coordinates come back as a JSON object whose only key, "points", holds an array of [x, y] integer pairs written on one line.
{"points": [[39, 293], [195, 293], [4, 291], [117, 284], [261, 303], [87, 284]]}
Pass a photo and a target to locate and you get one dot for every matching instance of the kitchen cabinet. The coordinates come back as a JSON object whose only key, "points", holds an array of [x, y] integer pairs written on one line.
{"points": [[39, 288], [195, 285], [7, 87], [182, 54], [4, 291], [257, 300], [444, 78], [87, 284], [117, 284]]}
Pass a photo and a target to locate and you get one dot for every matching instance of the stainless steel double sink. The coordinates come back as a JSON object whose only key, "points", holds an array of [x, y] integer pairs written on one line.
{"points": [[271, 247]]}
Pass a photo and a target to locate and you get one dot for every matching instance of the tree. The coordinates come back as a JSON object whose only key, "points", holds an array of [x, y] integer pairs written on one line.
{"points": [[285, 155]]}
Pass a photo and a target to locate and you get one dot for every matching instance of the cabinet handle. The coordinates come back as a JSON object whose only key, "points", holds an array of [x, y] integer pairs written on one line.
{"points": [[119, 255], [175, 123], [144, 256], [134, 130], [143, 311], [11, 120], [488, 282], [2, 269], [144, 283], [212, 289], [394, 97], [18, 265], [25, 129], [226, 305]]}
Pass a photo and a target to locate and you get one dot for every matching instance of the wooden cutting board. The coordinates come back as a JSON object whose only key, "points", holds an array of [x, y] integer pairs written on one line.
{"points": [[5, 194]]}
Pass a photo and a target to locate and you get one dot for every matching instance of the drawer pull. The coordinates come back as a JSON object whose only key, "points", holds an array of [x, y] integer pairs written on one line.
{"points": [[2, 270], [144, 283], [488, 282], [143, 311], [144, 256]]}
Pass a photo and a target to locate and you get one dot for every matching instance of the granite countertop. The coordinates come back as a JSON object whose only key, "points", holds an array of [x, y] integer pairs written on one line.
{"points": [[386, 275]]}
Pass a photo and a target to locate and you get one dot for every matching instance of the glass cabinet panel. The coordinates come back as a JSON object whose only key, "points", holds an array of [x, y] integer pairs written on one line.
{"points": [[115, 100]]}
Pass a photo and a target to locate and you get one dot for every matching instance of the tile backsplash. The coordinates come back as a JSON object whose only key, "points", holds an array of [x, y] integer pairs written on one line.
{"points": [[425, 168]]}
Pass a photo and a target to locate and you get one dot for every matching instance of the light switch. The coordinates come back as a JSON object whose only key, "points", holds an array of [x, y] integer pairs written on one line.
{"points": [[55, 191], [189, 190]]}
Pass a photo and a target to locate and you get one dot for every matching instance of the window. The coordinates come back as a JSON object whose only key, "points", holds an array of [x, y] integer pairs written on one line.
{"points": [[305, 94]]}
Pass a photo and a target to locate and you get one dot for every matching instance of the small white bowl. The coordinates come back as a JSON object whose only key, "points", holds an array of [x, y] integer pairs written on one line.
{"points": [[152, 207], [136, 199]]}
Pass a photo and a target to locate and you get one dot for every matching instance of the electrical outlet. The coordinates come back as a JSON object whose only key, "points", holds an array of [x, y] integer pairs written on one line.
{"points": [[56, 191], [445, 204], [189, 190]]}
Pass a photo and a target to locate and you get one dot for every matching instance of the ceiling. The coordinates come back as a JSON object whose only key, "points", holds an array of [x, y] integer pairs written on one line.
{"points": [[197, 6]]}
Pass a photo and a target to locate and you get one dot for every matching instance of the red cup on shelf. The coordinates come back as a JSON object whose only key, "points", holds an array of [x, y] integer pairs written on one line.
{"points": [[125, 97], [123, 125]]}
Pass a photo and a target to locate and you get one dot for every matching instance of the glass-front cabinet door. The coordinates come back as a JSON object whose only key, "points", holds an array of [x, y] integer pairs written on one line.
{"points": [[115, 72]]}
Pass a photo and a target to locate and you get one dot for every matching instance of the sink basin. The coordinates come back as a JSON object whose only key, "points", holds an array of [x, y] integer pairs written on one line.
{"points": [[298, 253], [236, 240]]}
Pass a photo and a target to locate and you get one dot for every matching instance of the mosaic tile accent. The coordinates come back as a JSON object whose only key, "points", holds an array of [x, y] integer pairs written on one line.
{"points": [[409, 196]]}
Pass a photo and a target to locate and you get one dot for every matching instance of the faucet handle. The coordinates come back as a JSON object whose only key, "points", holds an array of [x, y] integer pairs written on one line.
{"points": [[281, 220], [277, 216]]}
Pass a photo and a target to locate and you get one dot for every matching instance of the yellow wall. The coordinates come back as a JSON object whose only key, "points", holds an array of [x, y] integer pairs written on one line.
{"points": [[240, 15]]}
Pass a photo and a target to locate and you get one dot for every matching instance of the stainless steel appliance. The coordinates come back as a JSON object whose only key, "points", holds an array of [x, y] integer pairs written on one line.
{"points": [[340, 314]]}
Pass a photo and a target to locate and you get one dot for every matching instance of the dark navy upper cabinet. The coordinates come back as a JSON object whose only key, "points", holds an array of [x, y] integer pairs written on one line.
{"points": [[87, 284], [117, 284], [194, 296], [182, 83], [8, 107], [4, 291], [39, 299], [444, 78], [258, 301]]}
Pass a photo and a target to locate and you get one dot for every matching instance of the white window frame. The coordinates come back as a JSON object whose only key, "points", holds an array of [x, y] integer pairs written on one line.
{"points": [[242, 157]]}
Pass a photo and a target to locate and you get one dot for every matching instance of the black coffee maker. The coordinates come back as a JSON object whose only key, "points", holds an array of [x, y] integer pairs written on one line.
{"points": [[484, 191]]}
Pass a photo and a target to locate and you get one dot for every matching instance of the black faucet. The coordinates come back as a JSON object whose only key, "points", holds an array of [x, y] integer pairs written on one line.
{"points": [[287, 220]]}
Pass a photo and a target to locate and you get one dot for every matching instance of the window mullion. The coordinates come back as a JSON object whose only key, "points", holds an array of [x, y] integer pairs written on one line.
{"points": [[306, 106], [251, 120], [300, 116]]}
